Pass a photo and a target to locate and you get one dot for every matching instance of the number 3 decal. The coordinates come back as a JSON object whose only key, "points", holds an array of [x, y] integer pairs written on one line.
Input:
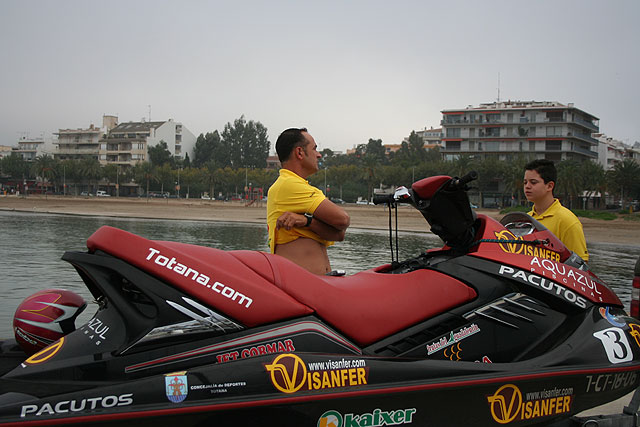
{"points": [[616, 345]]}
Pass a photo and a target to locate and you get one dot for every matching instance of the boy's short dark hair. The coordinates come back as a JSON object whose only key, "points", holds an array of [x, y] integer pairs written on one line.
{"points": [[287, 141], [545, 168]]}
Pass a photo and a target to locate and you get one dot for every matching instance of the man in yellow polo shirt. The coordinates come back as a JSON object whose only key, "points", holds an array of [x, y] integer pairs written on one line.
{"points": [[539, 181], [302, 222]]}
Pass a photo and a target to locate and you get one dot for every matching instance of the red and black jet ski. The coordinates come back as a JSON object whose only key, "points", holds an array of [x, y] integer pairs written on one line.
{"points": [[501, 326]]}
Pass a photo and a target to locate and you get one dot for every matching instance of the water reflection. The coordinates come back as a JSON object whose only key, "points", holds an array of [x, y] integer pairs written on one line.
{"points": [[32, 244]]}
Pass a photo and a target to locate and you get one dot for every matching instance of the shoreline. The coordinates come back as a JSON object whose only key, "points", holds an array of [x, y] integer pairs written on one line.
{"points": [[362, 216]]}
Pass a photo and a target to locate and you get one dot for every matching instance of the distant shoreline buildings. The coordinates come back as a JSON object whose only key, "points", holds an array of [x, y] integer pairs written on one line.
{"points": [[505, 130]]}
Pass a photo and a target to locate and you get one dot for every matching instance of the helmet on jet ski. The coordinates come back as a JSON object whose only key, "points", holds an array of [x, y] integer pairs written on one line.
{"points": [[46, 316]]}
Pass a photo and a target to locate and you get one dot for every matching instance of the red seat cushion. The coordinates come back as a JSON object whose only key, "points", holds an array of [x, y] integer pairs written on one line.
{"points": [[369, 305]]}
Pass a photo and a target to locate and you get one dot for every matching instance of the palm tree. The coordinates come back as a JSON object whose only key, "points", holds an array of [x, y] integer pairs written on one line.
{"points": [[568, 184], [144, 172], [90, 170], [591, 175], [43, 167], [625, 176]]}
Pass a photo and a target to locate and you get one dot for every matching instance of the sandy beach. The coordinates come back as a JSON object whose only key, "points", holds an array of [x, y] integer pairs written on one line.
{"points": [[409, 219]]}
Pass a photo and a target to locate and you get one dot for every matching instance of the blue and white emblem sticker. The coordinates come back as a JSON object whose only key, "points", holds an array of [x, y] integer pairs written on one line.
{"points": [[176, 386]]}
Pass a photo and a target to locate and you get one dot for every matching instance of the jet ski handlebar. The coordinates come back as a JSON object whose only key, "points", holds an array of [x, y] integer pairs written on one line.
{"points": [[460, 183]]}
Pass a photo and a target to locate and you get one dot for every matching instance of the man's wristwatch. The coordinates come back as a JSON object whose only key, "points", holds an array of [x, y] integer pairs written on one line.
{"points": [[309, 218]]}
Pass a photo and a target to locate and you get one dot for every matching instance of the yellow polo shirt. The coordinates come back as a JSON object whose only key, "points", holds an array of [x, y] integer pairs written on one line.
{"points": [[291, 193], [565, 225]]}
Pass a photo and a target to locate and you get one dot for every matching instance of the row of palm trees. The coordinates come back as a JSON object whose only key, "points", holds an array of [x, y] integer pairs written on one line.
{"points": [[578, 182]]}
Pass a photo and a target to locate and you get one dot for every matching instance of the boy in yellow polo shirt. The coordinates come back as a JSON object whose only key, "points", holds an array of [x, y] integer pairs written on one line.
{"points": [[539, 181]]}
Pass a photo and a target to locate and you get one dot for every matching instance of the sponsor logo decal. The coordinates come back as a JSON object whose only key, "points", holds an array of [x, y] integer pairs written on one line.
{"points": [[565, 274], [508, 404], [377, 418], [176, 386], [218, 388], [289, 373], [635, 332], [615, 344], [523, 249], [82, 405], [543, 283], [190, 273], [611, 318], [95, 330], [453, 338], [454, 352], [610, 382], [258, 350], [46, 353]]}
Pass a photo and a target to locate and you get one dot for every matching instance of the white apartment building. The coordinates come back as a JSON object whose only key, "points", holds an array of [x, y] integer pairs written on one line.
{"points": [[431, 137], [549, 130], [5, 151], [610, 151], [30, 148], [75, 144], [127, 143]]}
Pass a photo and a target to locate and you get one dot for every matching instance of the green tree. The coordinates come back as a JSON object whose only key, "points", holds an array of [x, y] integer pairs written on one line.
{"points": [[592, 179], [44, 167], [72, 174], [568, 184], [14, 166], [90, 171], [160, 154], [144, 172], [342, 175], [209, 148], [624, 177], [247, 142], [164, 175]]}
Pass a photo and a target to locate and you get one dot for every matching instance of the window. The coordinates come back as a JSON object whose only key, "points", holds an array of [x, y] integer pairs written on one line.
{"points": [[554, 130], [492, 146], [453, 133], [532, 131], [553, 145], [532, 146], [492, 132], [453, 145]]}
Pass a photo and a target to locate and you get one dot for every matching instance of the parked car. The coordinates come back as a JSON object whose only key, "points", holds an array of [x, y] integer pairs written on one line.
{"points": [[362, 202], [101, 193], [337, 201], [86, 194]]}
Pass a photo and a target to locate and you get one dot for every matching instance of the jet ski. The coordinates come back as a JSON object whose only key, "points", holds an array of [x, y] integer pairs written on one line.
{"points": [[503, 325]]}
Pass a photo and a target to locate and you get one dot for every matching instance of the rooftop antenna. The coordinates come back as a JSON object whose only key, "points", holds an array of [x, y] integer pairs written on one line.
{"points": [[149, 113], [498, 86]]}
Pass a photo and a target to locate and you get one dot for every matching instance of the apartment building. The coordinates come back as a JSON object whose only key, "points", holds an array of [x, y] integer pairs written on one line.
{"points": [[5, 151], [549, 130], [610, 151], [30, 148], [76, 144], [127, 143]]}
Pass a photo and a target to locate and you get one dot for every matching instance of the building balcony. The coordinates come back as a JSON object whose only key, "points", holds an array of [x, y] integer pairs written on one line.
{"points": [[592, 154], [76, 151], [587, 124], [584, 137]]}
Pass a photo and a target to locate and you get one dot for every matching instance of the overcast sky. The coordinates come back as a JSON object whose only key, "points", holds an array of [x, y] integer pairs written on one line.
{"points": [[347, 70]]}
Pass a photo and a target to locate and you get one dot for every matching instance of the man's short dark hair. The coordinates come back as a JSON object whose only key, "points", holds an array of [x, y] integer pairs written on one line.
{"points": [[287, 141], [545, 168]]}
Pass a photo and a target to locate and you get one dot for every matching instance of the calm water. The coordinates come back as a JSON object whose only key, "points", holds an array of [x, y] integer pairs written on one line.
{"points": [[31, 246]]}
